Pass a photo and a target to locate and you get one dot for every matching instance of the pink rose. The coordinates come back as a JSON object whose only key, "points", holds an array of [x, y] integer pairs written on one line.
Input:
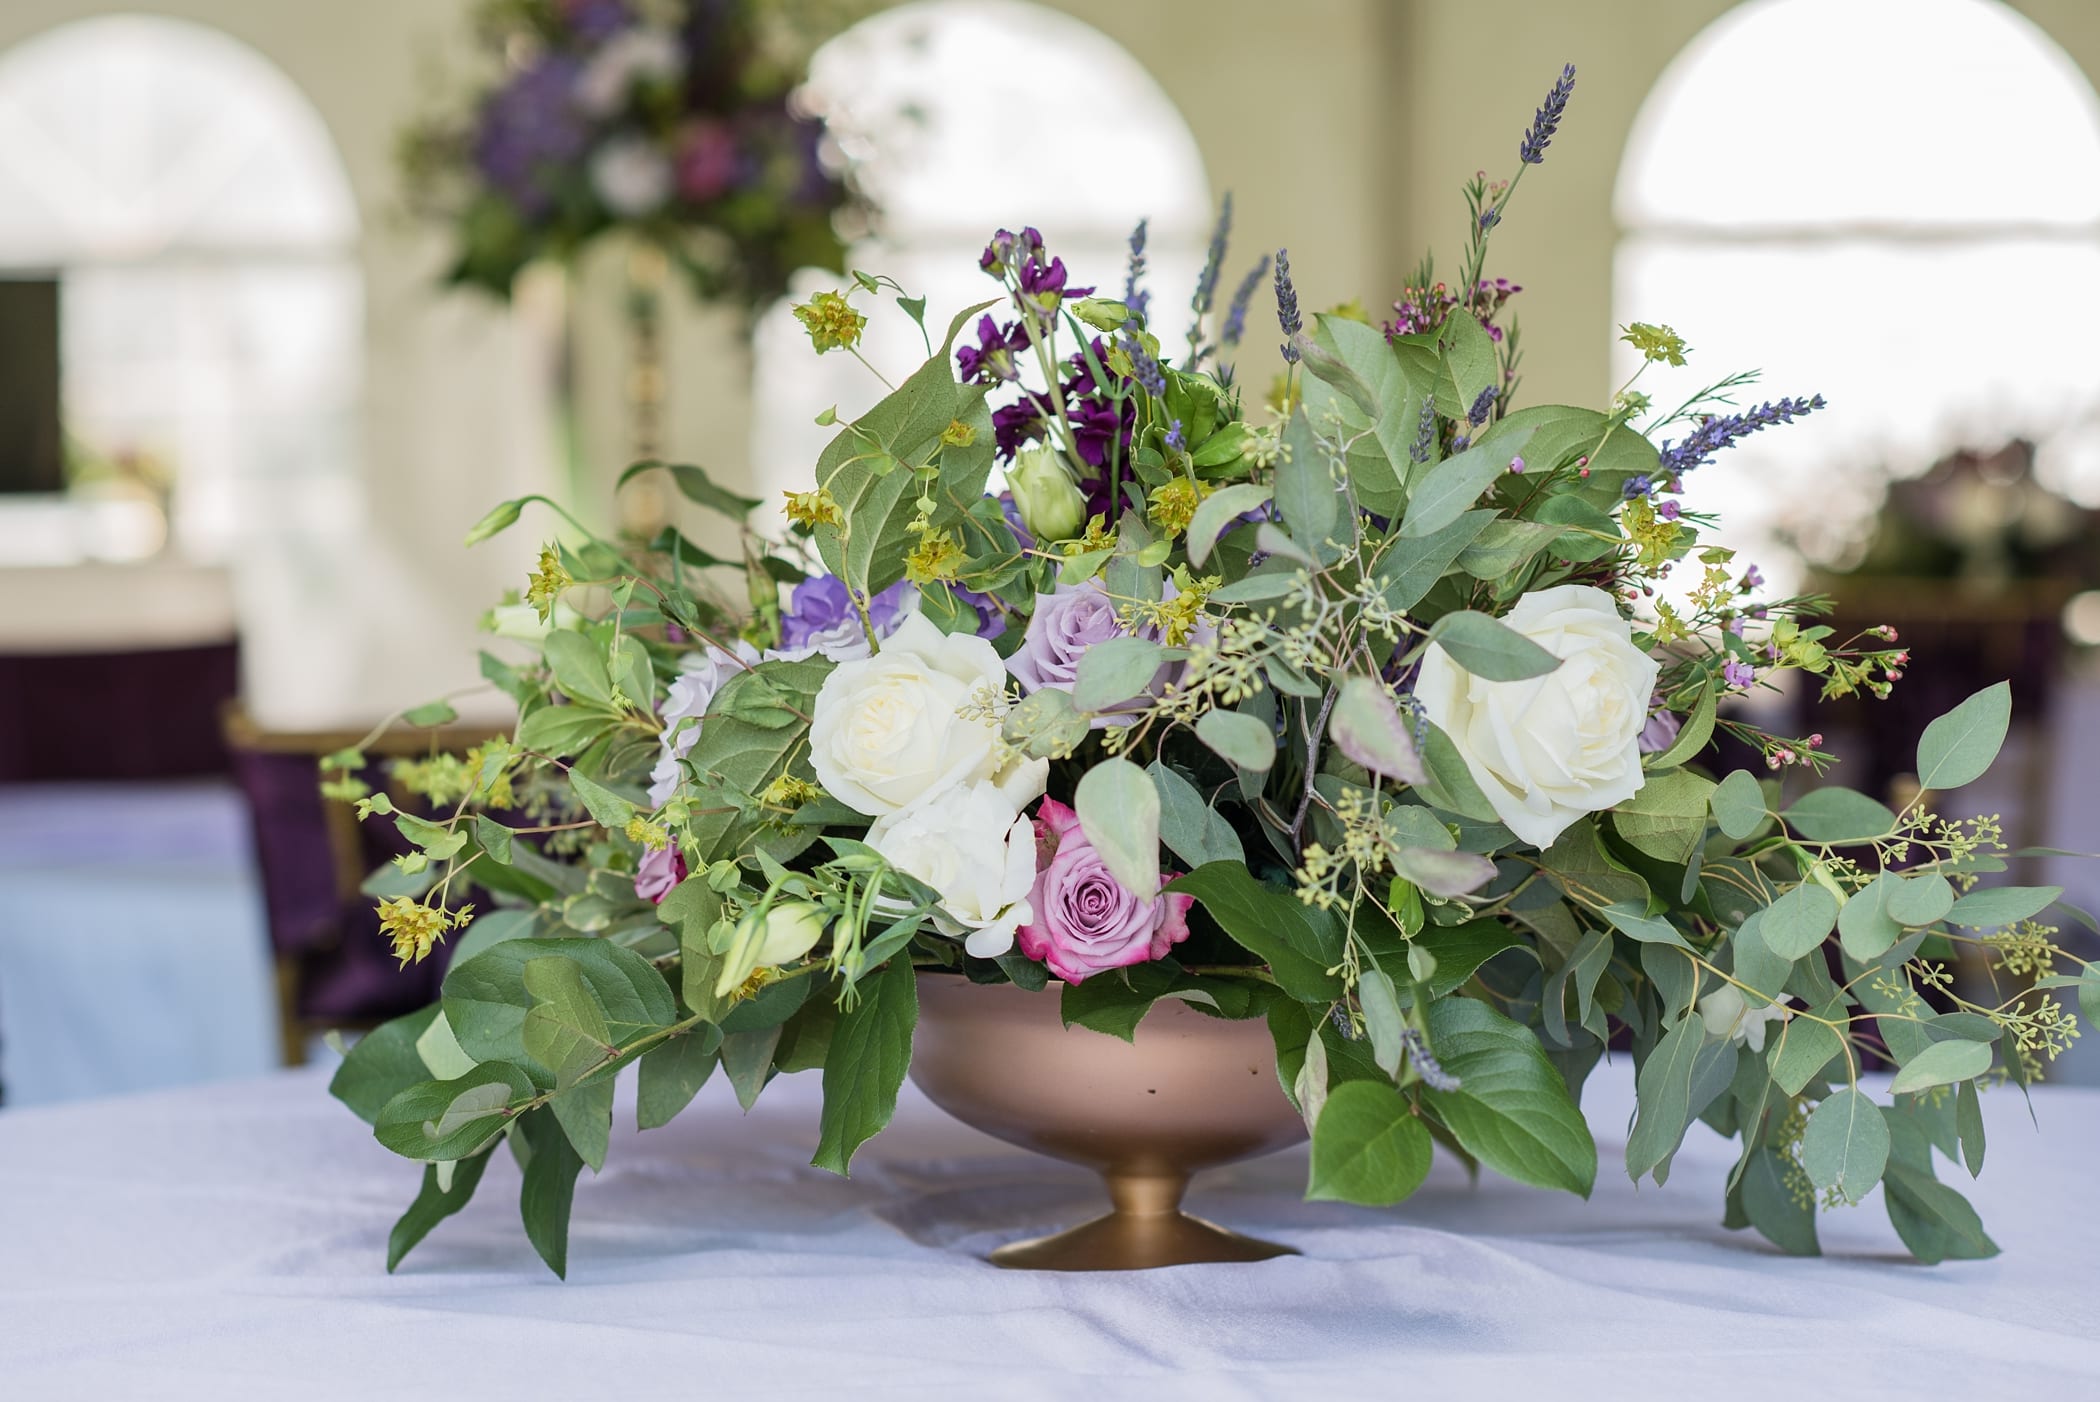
{"points": [[659, 873], [1086, 921]]}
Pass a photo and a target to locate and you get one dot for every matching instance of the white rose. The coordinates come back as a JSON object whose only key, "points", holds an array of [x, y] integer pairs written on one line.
{"points": [[893, 731], [1549, 749], [977, 852], [700, 676]]}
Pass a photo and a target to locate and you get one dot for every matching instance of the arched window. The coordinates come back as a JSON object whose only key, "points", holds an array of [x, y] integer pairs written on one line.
{"points": [[952, 146], [1895, 203], [193, 209]]}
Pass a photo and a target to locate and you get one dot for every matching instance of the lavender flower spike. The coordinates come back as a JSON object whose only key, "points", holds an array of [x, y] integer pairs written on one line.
{"points": [[1425, 432], [1207, 281], [1482, 403], [1426, 1065], [1287, 307], [1725, 430], [1236, 314], [1546, 121], [1133, 297]]}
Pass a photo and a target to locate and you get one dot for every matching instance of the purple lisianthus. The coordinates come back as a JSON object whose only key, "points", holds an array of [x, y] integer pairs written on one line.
{"points": [[1661, 730], [820, 618]]}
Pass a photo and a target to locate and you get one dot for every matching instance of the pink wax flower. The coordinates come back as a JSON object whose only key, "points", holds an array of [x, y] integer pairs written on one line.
{"points": [[1085, 920], [659, 873]]}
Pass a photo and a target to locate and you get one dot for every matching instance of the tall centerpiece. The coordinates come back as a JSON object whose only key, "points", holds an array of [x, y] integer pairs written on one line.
{"points": [[1345, 763], [671, 127]]}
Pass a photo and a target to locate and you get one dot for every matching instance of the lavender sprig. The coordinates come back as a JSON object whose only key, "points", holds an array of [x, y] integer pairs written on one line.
{"points": [[1725, 430], [1482, 404], [1287, 308], [1133, 297], [1426, 1065], [1546, 121], [1425, 432], [1236, 313], [1207, 281], [1143, 368]]}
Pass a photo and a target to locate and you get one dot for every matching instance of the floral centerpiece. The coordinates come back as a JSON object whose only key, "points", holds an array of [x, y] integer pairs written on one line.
{"points": [[1386, 712], [671, 120]]}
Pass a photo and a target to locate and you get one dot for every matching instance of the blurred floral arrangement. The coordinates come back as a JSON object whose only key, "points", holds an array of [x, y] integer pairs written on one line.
{"points": [[671, 120], [1373, 713]]}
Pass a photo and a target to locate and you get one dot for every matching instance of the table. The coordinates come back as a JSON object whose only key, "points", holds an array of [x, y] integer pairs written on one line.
{"points": [[227, 1242]]}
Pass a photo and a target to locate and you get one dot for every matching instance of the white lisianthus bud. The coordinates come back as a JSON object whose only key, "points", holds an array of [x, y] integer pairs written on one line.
{"points": [[787, 931], [1547, 750], [1049, 501]]}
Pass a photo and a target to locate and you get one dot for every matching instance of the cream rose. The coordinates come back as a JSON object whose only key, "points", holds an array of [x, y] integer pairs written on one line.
{"points": [[975, 849], [893, 731], [1549, 749]]}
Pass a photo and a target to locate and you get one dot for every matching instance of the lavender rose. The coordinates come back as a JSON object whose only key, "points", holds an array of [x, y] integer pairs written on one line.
{"points": [[1081, 919], [820, 618], [1065, 624]]}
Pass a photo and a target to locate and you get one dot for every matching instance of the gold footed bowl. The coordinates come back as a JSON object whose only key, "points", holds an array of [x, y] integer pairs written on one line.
{"points": [[1191, 1092]]}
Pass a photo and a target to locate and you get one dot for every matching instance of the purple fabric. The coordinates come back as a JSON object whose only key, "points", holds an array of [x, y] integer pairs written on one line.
{"points": [[131, 715]]}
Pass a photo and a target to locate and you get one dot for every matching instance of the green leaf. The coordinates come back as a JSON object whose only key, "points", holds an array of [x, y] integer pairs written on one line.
{"points": [[697, 487], [437, 1120], [1920, 900], [549, 1189], [1271, 925], [2002, 905], [672, 1073], [1367, 727], [1739, 804], [579, 667], [1936, 1222], [747, 1060], [870, 1051], [1800, 920], [1505, 546], [1968, 1126], [1382, 1019], [1846, 1144], [1117, 669], [584, 1113], [1453, 485], [486, 1000], [383, 1063], [1942, 1064], [1192, 829], [1958, 748], [734, 758], [1217, 512], [1666, 819], [1801, 1051], [1490, 650], [1694, 735], [431, 715], [1780, 1215], [1839, 815], [1119, 813], [433, 1205], [1460, 950], [1046, 724], [565, 1028], [500, 518], [1409, 568], [1756, 966], [1512, 1110], [494, 838], [1634, 922], [1306, 495], [1368, 1146], [1245, 740], [1865, 927], [1441, 872], [565, 730], [439, 1050], [1685, 1073]]}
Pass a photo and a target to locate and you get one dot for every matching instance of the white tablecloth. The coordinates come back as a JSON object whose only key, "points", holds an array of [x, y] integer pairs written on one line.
{"points": [[227, 1242]]}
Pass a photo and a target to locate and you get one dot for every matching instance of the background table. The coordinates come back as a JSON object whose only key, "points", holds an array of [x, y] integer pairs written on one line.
{"points": [[227, 1242]]}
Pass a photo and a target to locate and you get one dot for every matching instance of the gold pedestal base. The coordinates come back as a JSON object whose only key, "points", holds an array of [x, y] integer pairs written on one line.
{"points": [[1147, 1229]]}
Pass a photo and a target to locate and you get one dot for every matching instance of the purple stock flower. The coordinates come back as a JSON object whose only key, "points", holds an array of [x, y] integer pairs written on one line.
{"points": [[1017, 424], [1287, 315], [529, 129], [1725, 430], [992, 358], [1532, 149], [821, 618]]}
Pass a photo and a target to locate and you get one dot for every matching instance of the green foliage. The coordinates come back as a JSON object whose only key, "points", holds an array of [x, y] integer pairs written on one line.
{"points": [[865, 1068], [1368, 1146], [1511, 1109]]}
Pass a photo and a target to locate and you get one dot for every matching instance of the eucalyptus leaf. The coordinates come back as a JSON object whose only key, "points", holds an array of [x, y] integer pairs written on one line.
{"points": [[1489, 649], [1119, 813], [1216, 513], [1958, 748], [2002, 905], [1367, 727], [1942, 1064], [1245, 740], [1800, 920], [1738, 804], [1116, 669], [1846, 1144]]}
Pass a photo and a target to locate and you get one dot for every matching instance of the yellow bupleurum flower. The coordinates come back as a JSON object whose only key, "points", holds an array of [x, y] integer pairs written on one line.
{"points": [[831, 322], [1173, 504], [958, 434], [935, 559], [817, 508], [415, 928], [545, 584]]}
